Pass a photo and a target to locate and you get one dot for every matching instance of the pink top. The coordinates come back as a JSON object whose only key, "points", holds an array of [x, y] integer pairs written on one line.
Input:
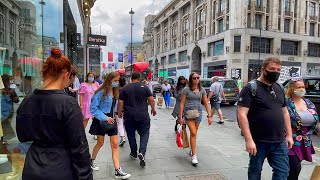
{"points": [[87, 91]]}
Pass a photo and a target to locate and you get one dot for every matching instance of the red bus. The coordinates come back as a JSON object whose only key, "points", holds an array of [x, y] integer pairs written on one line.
{"points": [[141, 67]]}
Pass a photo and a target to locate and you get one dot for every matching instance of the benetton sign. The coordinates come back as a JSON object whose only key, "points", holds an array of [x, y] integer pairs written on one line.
{"points": [[97, 40]]}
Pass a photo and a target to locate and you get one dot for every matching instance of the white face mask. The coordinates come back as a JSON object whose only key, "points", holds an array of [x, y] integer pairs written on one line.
{"points": [[299, 93]]}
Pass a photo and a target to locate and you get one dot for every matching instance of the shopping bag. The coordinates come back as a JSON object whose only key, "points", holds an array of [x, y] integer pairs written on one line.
{"points": [[172, 101], [160, 101], [316, 173], [185, 137], [179, 137]]}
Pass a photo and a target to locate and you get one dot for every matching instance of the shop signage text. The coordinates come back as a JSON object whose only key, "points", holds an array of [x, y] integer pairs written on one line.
{"points": [[97, 40]]}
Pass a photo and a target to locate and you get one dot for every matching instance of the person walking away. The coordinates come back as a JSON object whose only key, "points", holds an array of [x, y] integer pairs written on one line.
{"points": [[215, 95], [191, 111], [53, 121], [166, 92], [86, 91], [178, 93], [8, 97], [122, 82], [98, 80], [263, 118], [72, 90], [150, 86], [136, 116], [304, 121], [103, 107]]}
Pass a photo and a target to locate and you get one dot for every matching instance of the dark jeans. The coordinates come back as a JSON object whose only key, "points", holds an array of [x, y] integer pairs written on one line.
{"points": [[277, 155], [143, 129]]}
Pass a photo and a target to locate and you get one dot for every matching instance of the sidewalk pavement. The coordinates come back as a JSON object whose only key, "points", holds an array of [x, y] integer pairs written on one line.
{"points": [[220, 151]]}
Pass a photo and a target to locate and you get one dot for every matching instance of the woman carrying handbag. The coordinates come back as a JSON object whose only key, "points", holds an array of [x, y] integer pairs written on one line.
{"points": [[191, 110], [304, 121], [103, 105]]}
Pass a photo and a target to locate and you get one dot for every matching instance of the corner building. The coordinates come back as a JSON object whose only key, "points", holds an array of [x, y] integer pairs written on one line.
{"points": [[222, 37]]}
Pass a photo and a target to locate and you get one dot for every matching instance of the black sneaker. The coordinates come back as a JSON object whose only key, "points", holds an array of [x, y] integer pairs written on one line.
{"points": [[119, 174], [133, 156], [142, 160]]}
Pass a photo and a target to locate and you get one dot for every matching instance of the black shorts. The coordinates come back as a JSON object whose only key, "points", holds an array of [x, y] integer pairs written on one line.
{"points": [[96, 129]]}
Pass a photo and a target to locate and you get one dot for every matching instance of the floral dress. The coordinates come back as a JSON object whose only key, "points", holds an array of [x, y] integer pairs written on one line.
{"points": [[302, 146], [87, 91]]}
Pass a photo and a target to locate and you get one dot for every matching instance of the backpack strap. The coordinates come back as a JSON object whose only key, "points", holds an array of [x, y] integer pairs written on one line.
{"points": [[253, 85], [281, 86]]}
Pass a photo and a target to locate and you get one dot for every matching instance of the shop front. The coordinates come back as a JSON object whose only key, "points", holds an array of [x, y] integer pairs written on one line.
{"points": [[183, 71], [172, 72], [215, 69], [313, 69], [289, 69]]}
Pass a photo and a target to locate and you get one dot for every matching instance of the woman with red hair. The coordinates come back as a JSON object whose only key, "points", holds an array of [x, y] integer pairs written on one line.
{"points": [[52, 120]]}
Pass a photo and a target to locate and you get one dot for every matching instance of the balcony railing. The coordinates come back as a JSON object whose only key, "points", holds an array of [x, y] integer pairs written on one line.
{"points": [[258, 8], [220, 13], [287, 13], [313, 18]]}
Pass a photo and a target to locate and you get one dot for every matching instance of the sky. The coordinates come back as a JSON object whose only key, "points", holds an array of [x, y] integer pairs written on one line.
{"points": [[113, 18]]}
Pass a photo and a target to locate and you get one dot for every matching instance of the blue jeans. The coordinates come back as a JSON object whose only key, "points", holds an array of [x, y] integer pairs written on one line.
{"points": [[143, 129], [277, 155], [166, 97]]}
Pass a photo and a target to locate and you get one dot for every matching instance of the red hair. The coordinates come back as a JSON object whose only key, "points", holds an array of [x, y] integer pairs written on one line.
{"points": [[56, 64]]}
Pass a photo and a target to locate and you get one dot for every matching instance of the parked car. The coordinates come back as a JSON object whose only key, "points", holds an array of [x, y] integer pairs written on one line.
{"points": [[312, 84], [156, 86], [230, 88]]}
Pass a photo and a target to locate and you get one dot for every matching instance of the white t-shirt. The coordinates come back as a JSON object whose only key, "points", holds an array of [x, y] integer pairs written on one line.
{"points": [[150, 86], [166, 87]]}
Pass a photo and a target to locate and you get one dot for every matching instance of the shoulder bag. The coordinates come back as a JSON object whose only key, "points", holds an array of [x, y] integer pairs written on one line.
{"points": [[105, 125], [193, 113], [216, 97]]}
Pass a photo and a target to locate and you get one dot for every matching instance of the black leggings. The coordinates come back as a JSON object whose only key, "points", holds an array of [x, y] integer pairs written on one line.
{"points": [[295, 167]]}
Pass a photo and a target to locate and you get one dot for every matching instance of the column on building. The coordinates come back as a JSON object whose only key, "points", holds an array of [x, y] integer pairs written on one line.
{"points": [[292, 20], [179, 29], [169, 35], [208, 17], [301, 17], [161, 37], [191, 21], [274, 9]]}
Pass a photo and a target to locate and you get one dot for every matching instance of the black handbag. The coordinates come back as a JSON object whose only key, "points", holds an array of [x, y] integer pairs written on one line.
{"points": [[105, 125], [216, 97]]}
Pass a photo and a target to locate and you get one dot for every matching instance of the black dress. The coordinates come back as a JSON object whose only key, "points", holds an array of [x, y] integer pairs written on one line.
{"points": [[53, 121], [97, 129]]}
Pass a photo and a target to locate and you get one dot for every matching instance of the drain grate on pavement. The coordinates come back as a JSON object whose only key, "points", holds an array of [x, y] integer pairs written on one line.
{"points": [[212, 176]]}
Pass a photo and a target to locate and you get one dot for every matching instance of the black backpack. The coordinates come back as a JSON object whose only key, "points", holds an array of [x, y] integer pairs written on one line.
{"points": [[253, 86]]}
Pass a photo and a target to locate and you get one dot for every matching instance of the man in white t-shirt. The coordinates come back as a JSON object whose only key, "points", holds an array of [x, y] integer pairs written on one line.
{"points": [[216, 94], [166, 92]]}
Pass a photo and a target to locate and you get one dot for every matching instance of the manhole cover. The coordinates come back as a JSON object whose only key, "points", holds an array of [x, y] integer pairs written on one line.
{"points": [[214, 176]]}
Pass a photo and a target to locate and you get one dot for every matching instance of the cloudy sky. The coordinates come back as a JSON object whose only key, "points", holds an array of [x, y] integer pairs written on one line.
{"points": [[114, 19]]}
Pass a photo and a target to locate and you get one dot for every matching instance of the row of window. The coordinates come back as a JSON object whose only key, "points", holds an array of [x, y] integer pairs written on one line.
{"points": [[265, 46]]}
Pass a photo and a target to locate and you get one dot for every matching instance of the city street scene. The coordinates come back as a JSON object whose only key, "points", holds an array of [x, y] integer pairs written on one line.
{"points": [[161, 90]]}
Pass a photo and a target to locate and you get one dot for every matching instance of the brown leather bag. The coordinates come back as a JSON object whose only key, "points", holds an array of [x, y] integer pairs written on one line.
{"points": [[316, 173]]}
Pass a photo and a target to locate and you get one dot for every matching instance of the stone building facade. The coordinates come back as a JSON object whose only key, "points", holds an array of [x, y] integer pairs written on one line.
{"points": [[231, 38]]}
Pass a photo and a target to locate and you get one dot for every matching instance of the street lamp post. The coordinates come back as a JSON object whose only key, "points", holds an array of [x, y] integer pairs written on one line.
{"points": [[131, 13], [42, 3]]}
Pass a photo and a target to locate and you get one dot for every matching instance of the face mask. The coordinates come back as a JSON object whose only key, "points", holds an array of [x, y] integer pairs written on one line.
{"points": [[271, 76], [90, 79], [299, 93], [114, 84]]}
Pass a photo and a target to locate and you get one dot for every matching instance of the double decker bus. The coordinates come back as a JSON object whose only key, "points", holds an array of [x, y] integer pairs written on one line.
{"points": [[141, 67]]}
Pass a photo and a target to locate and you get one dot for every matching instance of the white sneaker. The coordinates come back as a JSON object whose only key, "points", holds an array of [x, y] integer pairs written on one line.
{"points": [[94, 167], [194, 160]]}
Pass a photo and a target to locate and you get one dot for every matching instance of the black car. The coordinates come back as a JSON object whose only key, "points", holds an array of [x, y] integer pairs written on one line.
{"points": [[312, 84]]}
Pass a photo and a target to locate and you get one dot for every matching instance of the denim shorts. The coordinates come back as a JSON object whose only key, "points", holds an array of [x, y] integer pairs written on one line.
{"points": [[215, 106], [198, 119]]}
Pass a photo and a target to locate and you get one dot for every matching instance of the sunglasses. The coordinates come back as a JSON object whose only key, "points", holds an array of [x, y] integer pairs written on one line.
{"points": [[194, 78], [295, 79], [272, 93]]}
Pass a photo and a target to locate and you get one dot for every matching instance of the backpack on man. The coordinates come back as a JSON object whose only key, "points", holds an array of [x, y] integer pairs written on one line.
{"points": [[253, 86]]}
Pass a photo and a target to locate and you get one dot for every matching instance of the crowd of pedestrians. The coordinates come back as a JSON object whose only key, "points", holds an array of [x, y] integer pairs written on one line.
{"points": [[276, 125]]}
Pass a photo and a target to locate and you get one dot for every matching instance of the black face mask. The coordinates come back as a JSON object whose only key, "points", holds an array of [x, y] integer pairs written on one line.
{"points": [[271, 76]]}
